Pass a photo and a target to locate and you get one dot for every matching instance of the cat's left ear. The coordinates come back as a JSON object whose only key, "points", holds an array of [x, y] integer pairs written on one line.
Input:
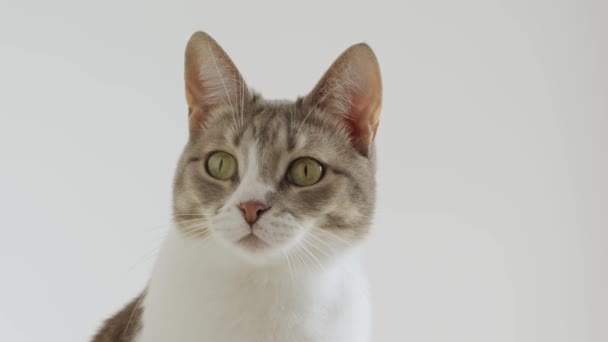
{"points": [[352, 89]]}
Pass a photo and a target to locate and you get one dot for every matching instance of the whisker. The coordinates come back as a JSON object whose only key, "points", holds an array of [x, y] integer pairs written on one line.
{"points": [[200, 219], [313, 244], [289, 266], [196, 232], [191, 226], [321, 241], [333, 236], [301, 258], [191, 230], [311, 254]]}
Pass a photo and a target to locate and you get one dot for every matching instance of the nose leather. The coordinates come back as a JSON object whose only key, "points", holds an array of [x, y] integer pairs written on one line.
{"points": [[252, 210]]}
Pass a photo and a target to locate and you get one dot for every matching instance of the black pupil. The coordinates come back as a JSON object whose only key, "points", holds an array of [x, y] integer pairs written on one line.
{"points": [[305, 170], [221, 164]]}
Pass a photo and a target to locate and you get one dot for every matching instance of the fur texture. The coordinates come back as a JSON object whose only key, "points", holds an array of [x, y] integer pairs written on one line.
{"points": [[294, 273]]}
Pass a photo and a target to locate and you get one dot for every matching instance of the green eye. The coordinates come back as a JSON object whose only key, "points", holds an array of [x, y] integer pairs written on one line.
{"points": [[305, 171], [221, 165]]}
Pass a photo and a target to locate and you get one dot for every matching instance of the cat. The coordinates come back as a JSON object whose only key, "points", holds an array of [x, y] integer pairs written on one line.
{"points": [[271, 201]]}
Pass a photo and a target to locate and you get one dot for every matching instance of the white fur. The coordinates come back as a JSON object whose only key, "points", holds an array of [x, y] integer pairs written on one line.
{"points": [[251, 188], [201, 291]]}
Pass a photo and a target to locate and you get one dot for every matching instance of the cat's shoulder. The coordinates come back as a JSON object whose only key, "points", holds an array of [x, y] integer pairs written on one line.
{"points": [[124, 325]]}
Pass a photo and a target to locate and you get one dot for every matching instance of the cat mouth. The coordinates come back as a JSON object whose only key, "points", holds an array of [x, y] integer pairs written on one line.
{"points": [[253, 242]]}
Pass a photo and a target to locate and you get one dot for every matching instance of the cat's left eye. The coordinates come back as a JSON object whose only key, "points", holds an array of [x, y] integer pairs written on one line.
{"points": [[221, 165]]}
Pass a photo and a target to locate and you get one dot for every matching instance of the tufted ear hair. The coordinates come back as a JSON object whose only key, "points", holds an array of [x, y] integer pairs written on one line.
{"points": [[212, 80], [352, 89]]}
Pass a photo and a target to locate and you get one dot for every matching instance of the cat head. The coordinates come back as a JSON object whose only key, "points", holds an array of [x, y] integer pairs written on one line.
{"points": [[269, 178]]}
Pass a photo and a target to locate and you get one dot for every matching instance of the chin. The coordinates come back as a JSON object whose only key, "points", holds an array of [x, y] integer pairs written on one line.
{"points": [[253, 243], [253, 249]]}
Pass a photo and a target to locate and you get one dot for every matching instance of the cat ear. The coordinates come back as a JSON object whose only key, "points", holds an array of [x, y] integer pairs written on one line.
{"points": [[352, 89], [212, 80]]}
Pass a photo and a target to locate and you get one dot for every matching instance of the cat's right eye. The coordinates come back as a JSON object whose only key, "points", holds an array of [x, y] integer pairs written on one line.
{"points": [[305, 172], [221, 165]]}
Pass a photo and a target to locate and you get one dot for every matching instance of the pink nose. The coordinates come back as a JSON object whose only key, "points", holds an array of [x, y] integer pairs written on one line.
{"points": [[252, 210]]}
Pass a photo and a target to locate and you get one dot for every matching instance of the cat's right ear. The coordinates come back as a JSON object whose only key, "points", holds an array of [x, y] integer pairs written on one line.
{"points": [[212, 80]]}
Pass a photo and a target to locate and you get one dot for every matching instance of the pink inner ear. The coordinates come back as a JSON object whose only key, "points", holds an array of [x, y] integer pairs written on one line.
{"points": [[195, 119], [362, 117]]}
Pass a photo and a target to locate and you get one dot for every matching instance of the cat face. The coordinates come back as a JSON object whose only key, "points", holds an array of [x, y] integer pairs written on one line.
{"points": [[268, 178]]}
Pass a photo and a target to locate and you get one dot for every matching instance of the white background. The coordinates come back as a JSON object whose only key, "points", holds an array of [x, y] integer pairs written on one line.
{"points": [[492, 219]]}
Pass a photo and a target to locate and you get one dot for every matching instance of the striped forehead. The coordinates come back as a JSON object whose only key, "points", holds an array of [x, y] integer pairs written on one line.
{"points": [[269, 132], [278, 131]]}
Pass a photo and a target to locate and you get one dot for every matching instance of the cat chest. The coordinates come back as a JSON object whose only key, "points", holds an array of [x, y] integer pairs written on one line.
{"points": [[222, 315]]}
